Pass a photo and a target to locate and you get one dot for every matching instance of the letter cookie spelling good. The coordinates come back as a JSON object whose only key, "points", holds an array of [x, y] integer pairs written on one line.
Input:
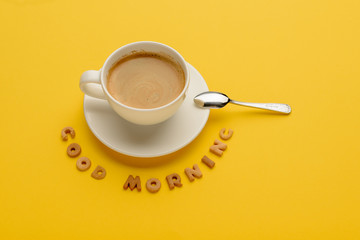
{"points": [[226, 136], [153, 185], [98, 173], [173, 180], [83, 163], [208, 162], [132, 183], [218, 148], [65, 131], [73, 150], [193, 173]]}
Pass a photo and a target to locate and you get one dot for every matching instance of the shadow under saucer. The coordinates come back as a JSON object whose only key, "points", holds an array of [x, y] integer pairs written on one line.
{"points": [[142, 162]]}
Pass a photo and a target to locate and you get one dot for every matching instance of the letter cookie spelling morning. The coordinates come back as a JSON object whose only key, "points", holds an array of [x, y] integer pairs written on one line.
{"points": [[224, 136], [153, 185], [133, 183], [173, 180], [207, 161], [218, 148], [193, 173]]}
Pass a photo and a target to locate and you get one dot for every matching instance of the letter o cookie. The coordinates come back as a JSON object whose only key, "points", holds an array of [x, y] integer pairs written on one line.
{"points": [[73, 150], [83, 163], [153, 185]]}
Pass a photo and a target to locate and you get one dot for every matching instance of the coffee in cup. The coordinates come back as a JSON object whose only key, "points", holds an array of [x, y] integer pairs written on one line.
{"points": [[144, 82]]}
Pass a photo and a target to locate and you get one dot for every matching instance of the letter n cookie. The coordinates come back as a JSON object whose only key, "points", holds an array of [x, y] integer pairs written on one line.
{"points": [[218, 148], [193, 173]]}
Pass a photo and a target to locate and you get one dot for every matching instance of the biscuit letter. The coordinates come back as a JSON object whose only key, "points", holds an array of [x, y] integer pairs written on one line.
{"points": [[174, 180], [65, 131], [226, 136], [153, 185], [73, 150], [193, 173], [98, 173], [218, 148], [208, 162], [132, 183], [83, 164]]}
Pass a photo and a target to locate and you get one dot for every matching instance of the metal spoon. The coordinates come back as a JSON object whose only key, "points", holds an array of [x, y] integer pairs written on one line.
{"points": [[219, 100]]}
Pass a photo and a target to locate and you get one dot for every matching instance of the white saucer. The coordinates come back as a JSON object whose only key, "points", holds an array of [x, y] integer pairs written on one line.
{"points": [[149, 141]]}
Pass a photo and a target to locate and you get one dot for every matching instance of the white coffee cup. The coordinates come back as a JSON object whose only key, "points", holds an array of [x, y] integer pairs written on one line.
{"points": [[94, 83]]}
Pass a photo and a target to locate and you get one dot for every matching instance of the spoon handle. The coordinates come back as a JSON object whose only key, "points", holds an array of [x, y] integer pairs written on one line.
{"points": [[277, 107]]}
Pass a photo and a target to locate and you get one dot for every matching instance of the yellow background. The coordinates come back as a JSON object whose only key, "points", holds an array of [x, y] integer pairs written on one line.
{"points": [[282, 177]]}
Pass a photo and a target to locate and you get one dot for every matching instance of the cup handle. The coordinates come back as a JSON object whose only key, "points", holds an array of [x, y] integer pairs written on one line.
{"points": [[90, 84]]}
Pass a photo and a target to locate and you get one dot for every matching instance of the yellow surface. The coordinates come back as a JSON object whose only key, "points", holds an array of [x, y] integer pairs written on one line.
{"points": [[282, 177]]}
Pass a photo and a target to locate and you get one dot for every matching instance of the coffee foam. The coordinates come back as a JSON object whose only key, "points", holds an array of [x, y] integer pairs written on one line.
{"points": [[145, 80]]}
